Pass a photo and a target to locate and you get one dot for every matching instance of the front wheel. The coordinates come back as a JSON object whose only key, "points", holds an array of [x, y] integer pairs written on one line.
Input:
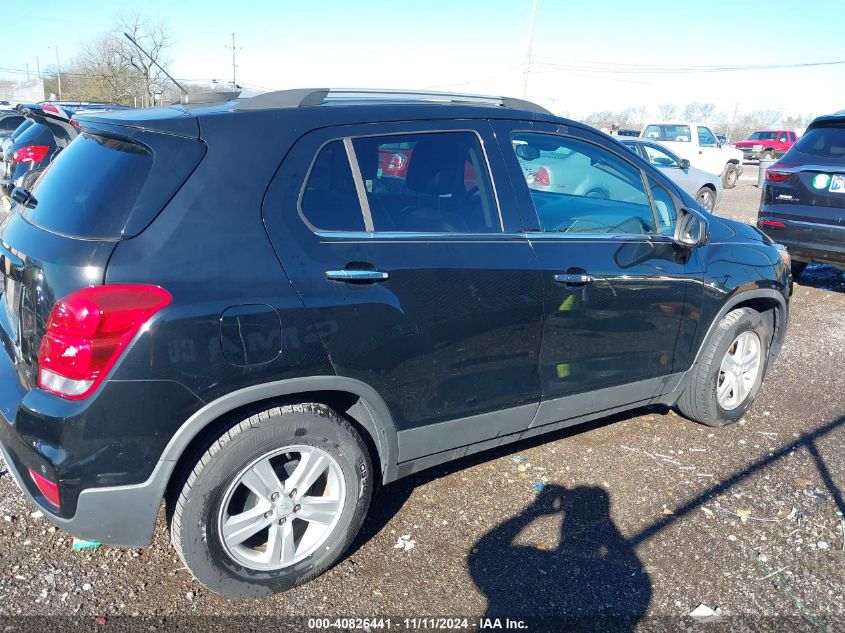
{"points": [[729, 371], [730, 176], [273, 502], [767, 155], [706, 197]]}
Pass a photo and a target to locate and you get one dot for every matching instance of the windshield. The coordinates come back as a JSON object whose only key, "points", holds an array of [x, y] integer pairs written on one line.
{"points": [[763, 136], [667, 132]]}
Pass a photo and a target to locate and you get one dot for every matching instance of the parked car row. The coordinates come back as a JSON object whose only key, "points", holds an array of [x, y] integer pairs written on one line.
{"points": [[41, 131], [381, 282], [697, 143]]}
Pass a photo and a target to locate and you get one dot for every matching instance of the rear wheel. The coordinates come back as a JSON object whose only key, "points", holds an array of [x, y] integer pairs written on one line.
{"points": [[798, 268], [706, 197], [729, 370], [273, 502], [730, 176]]}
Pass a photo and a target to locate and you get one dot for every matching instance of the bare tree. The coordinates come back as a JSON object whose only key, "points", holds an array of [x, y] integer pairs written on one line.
{"points": [[110, 77], [668, 111], [155, 39], [697, 111]]}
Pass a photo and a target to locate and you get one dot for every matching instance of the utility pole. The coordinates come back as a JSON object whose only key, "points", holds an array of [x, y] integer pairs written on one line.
{"points": [[530, 49], [58, 70], [234, 64], [733, 121]]}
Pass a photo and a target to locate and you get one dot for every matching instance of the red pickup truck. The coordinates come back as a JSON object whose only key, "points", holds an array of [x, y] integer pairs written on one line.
{"points": [[766, 144]]}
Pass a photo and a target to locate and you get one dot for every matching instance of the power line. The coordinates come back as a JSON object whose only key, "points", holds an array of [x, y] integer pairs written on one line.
{"points": [[652, 69]]}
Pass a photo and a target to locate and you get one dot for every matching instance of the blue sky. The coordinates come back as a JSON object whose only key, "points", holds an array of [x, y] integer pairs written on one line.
{"points": [[477, 46]]}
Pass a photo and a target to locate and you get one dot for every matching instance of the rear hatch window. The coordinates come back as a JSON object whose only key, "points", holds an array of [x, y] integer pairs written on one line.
{"points": [[104, 187], [91, 187], [828, 142]]}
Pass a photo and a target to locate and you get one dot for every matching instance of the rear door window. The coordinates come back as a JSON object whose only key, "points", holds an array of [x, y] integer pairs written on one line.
{"points": [[434, 182]]}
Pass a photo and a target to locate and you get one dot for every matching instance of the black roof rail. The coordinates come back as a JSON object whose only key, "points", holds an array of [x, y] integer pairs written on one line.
{"points": [[302, 97], [204, 98]]}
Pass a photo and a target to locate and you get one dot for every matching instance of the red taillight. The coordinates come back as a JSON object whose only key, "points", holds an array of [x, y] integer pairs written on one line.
{"points": [[542, 177], [49, 489], [31, 153], [774, 223], [774, 173], [88, 330], [50, 108]]}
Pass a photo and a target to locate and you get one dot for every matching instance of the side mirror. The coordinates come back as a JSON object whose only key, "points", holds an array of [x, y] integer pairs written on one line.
{"points": [[685, 163], [691, 229]]}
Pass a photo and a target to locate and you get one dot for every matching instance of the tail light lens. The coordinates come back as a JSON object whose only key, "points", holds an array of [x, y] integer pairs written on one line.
{"points": [[542, 177], [49, 489], [31, 153], [774, 173], [88, 330], [774, 223]]}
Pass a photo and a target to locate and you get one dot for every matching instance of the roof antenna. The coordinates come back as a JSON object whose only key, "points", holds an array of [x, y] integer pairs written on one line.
{"points": [[150, 57]]}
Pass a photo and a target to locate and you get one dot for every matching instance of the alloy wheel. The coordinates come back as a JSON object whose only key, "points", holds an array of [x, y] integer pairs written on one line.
{"points": [[738, 371], [281, 507]]}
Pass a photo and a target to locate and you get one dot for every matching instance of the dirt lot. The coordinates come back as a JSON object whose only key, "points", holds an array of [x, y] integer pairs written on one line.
{"points": [[644, 516]]}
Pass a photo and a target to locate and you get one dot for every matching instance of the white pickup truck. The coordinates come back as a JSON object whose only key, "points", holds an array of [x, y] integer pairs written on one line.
{"points": [[698, 144]]}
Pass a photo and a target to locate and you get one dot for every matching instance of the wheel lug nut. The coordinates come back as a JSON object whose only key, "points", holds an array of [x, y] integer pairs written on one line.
{"points": [[297, 507], [268, 514], [293, 493], [282, 521], [274, 496]]}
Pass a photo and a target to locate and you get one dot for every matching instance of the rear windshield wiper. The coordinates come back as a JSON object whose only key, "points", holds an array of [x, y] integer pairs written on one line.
{"points": [[24, 197]]}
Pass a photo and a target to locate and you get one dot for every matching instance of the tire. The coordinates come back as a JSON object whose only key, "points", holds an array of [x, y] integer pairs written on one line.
{"points": [[706, 197], [767, 155], [798, 268], [699, 401], [730, 176], [215, 485]]}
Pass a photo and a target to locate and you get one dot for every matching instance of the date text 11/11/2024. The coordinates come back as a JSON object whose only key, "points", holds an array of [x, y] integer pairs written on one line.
{"points": [[417, 624]]}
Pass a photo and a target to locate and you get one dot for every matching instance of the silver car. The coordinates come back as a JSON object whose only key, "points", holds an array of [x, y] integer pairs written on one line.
{"points": [[705, 187]]}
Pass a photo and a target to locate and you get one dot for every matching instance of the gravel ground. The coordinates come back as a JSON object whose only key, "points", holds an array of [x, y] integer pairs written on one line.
{"points": [[644, 516]]}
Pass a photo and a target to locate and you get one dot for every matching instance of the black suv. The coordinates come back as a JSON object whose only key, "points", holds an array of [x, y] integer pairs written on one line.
{"points": [[803, 203], [259, 310]]}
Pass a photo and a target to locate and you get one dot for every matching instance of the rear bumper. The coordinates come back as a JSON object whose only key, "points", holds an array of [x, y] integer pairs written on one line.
{"points": [[111, 477], [119, 515], [807, 241]]}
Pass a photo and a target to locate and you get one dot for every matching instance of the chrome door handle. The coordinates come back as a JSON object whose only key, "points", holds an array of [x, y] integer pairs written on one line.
{"points": [[574, 278], [353, 275]]}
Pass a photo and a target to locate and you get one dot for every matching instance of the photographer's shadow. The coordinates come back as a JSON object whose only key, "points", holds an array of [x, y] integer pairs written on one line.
{"points": [[592, 578]]}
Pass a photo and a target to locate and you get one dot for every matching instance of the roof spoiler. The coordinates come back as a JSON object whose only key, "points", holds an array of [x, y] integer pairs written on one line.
{"points": [[206, 98]]}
